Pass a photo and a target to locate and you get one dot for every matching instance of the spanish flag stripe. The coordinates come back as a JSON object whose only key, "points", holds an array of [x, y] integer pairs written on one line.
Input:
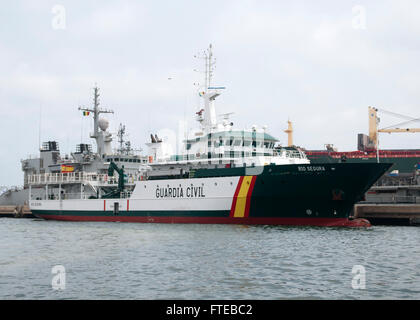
{"points": [[248, 197], [232, 209], [242, 197], [66, 168]]}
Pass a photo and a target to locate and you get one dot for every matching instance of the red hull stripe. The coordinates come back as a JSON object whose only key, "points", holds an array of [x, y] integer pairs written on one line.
{"points": [[248, 197], [325, 222], [238, 187]]}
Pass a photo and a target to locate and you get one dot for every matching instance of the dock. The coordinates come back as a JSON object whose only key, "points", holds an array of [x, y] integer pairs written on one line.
{"points": [[15, 212], [404, 214]]}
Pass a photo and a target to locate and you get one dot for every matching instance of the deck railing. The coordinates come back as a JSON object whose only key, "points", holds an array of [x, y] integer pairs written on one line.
{"points": [[78, 177]]}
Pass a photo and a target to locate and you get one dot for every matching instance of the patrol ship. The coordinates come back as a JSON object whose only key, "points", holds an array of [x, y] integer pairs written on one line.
{"points": [[84, 160], [223, 175]]}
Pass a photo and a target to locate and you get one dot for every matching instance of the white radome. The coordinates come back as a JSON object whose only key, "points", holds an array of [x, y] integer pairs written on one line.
{"points": [[103, 124]]}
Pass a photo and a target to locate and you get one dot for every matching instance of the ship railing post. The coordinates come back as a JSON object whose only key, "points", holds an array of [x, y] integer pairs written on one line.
{"points": [[59, 192], [30, 192]]}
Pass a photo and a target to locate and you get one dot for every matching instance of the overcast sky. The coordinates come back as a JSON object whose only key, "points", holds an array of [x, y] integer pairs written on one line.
{"points": [[317, 63]]}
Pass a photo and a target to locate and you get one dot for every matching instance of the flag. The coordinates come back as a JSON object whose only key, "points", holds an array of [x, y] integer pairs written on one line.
{"points": [[86, 113], [66, 168]]}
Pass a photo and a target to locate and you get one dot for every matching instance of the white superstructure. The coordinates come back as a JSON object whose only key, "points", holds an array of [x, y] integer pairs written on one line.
{"points": [[217, 142]]}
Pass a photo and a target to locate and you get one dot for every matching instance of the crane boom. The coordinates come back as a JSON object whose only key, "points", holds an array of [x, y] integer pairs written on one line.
{"points": [[374, 121], [121, 180], [399, 130]]}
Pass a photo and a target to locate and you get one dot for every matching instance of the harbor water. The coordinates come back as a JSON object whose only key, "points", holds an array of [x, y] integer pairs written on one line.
{"points": [[179, 261]]}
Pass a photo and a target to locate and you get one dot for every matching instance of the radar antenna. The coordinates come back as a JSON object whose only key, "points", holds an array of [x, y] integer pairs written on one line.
{"points": [[124, 145], [120, 134]]}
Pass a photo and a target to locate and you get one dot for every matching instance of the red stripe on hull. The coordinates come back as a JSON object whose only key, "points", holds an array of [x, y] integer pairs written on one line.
{"points": [[322, 222], [235, 196], [248, 197]]}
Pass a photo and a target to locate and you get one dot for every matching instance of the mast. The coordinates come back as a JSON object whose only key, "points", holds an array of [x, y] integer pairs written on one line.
{"points": [[97, 135], [121, 133], [209, 93]]}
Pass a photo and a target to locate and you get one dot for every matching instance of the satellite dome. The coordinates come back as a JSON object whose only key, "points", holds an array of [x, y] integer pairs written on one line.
{"points": [[103, 124]]}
